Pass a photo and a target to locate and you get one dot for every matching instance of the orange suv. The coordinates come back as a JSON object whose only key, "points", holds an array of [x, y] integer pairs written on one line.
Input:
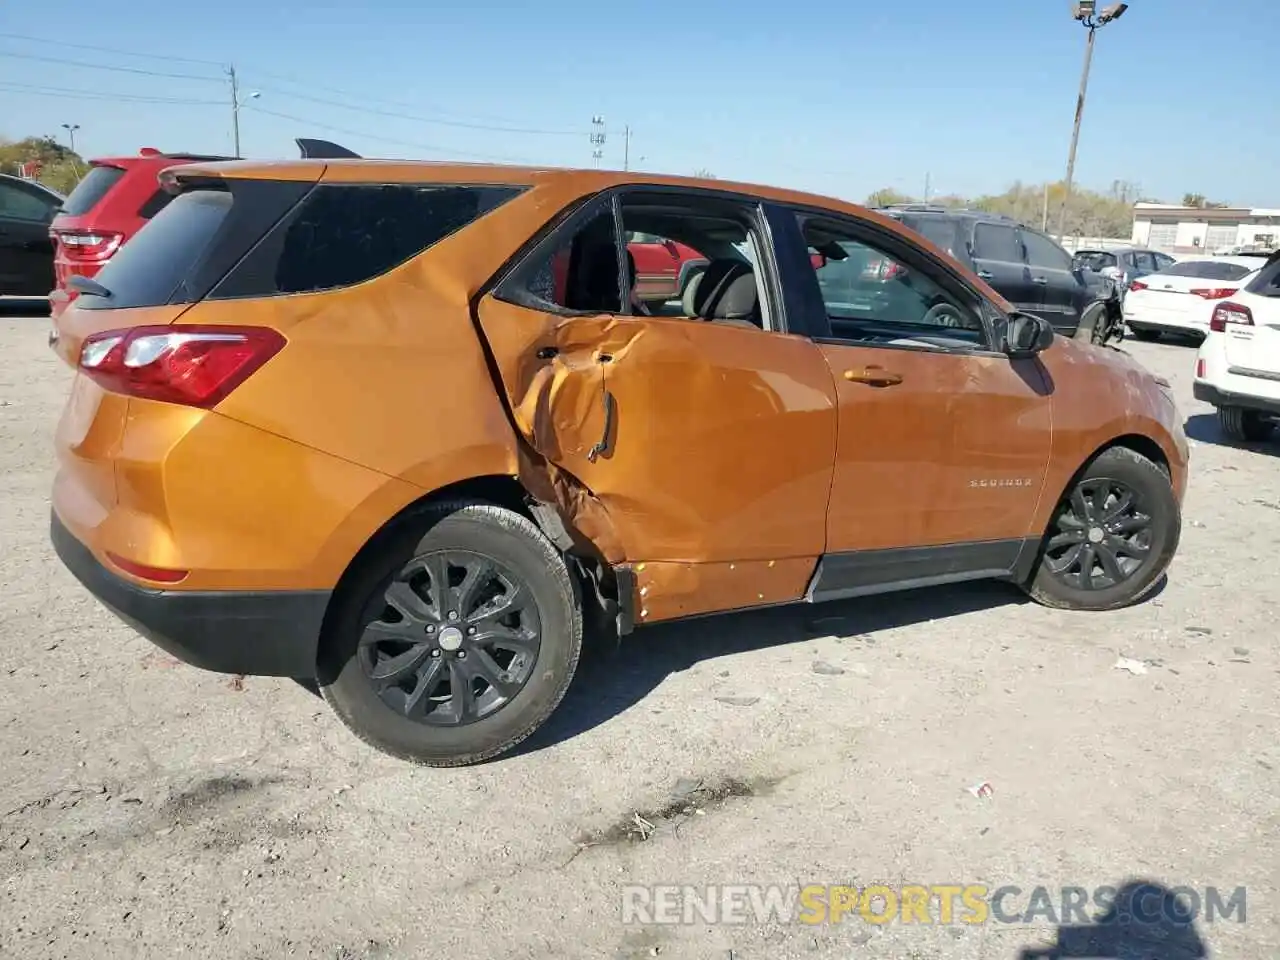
{"points": [[397, 428]]}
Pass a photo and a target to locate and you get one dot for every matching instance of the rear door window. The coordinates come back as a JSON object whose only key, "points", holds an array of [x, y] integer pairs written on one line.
{"points": [[994, 241], [1044, 253], [939, 231], [91, 189]]}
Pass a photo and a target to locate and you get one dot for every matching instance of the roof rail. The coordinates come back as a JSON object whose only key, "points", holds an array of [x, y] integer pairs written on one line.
{"points": [[323, 150]]}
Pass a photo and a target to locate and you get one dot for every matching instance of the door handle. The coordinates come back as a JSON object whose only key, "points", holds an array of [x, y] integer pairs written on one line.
{"points": [[603, 445], [1042, 281], [874, 376], [986, 275]]}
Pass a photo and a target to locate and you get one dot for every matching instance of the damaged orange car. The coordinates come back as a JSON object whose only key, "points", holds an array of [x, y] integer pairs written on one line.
{"points": [[401, 429]]}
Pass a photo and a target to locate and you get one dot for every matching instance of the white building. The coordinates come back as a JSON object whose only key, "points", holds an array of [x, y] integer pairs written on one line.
{"points": [[1176, 229]]}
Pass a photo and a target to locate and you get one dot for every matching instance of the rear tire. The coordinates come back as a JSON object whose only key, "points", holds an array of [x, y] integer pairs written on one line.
{"points": [[1148, 335], [1112, 537], [1245, 425], [457, 640]]}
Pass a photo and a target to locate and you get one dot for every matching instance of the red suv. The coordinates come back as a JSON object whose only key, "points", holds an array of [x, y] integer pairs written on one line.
{"points": [[107, 207]]}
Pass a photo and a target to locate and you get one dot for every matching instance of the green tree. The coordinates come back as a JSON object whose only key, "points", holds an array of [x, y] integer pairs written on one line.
{"points": [[886, 196], [61, 168], [1193, 200]]}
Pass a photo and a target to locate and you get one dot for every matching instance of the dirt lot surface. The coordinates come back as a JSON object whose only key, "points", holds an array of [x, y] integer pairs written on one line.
{"points": [[149, 809]]}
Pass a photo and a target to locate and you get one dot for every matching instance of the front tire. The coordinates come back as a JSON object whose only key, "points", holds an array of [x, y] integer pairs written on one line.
{"points": [[1112, 537], [1245, 425], [457, 640]]}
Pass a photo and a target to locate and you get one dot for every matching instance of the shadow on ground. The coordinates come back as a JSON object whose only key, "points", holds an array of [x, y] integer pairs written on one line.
{"points": [[1146, 921], [1204, 428], [611, 679]]}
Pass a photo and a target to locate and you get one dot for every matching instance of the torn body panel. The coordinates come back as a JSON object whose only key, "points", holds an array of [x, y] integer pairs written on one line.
{"points": [[667, 591], [671, 440]]}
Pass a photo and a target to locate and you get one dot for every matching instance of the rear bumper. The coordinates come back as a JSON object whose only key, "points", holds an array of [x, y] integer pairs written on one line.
{"points": [[260, 633], [1208, 393]]}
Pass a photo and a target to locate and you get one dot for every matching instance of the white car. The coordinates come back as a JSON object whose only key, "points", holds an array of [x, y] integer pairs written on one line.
{"points": [[1238, 367], [1181, 298]]}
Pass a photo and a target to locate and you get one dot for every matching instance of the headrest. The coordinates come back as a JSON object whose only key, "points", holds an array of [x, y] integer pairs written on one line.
{"points": [[726, 291]]}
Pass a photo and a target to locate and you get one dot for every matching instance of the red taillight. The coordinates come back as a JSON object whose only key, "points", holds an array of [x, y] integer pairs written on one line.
{"points": [[194, 366], [144, 572], [1200, 368], [1225, 313], [1215, 293], [1137, 285], [87, 244]]}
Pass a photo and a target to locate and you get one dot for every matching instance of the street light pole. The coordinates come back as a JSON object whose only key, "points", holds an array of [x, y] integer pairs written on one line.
{"points": [[236, 104], [71, 129], [1084, 13]]}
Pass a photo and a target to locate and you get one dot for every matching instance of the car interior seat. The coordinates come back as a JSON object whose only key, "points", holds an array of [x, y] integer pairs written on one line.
{"points": [[726, 293]]}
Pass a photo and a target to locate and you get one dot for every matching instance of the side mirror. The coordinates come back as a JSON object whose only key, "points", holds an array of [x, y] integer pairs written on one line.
{"points": [[1026, 335]]}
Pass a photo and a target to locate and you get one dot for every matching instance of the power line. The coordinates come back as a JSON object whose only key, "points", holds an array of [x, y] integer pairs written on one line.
{"points": [[69, 93], [419, 119], [433, 148], [399, 105], [103, 66], [124, 53]]}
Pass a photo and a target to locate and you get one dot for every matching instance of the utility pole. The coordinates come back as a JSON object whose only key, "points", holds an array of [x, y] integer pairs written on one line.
{"points": [[597, 139], [1084, 13], [235, 110], [1044, 220], [626, 147], [927, 185]]}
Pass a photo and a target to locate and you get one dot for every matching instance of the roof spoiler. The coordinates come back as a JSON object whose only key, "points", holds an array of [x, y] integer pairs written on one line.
{"points": [[324, 150]]}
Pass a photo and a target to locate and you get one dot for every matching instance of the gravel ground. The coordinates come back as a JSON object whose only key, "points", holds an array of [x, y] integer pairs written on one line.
{"points": [[149, 809]]}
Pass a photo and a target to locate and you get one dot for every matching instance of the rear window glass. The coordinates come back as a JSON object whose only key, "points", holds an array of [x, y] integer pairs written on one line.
{"points": [[344, 235], [150, 267], [91, 189], [1207, 270], [1095, 260]]}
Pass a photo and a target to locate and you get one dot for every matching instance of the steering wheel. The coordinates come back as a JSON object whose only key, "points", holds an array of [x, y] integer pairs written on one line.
{"points": [[944, 315]]}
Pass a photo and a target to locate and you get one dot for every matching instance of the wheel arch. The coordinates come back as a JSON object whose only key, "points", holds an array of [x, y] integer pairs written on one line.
{"points": [[1139, 443], [596, 578]]}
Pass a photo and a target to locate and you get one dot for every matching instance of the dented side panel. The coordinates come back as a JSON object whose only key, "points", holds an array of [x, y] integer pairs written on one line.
{"points": [[712, 443]]}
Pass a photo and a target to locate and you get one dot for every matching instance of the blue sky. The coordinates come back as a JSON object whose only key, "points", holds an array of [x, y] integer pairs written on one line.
{"points": [[840, 98]]}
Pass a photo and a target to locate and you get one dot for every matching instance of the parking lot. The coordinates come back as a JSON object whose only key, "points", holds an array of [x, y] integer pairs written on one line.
{"points": [[150, 809]]}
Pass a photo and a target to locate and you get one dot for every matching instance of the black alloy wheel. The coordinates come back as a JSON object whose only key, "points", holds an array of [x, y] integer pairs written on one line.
{"points": [[1113, 536], [1102, 536], [455, 638], [452, 640]]}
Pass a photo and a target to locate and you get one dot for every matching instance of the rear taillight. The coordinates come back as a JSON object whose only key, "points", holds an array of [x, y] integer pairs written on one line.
{"points": [[87, 244], [1136, 285], [1225, 313], [1215, 293], [194, 366], [1200, 368]]}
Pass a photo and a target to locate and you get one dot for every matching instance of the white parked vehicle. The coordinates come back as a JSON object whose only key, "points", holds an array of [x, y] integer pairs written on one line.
{"points": [[1238, 367], [1181, 298]]}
